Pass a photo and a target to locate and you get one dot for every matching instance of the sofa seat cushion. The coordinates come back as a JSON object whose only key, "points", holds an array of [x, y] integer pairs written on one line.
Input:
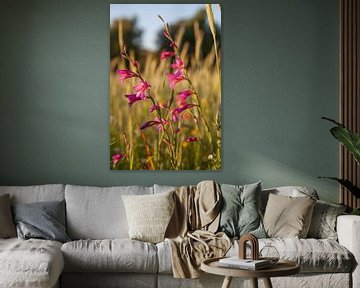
{"points": [[30, 263], [115, 255], [313, 255]]}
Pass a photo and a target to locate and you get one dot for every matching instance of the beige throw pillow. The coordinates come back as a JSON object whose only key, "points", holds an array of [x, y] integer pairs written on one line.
{"points": [[288, 217], [149, 215], [7, 226]]}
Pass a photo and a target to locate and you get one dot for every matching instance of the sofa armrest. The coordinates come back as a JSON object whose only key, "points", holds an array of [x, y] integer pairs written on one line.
{"points": [[348, 230]]}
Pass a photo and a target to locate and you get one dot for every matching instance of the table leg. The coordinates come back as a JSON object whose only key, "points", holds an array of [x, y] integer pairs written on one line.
{"points": [[267, 283], [254, 282], [227, 282]]}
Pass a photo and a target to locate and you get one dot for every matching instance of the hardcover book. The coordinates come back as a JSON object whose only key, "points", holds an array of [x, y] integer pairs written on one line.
{"points": [[236, 262]]}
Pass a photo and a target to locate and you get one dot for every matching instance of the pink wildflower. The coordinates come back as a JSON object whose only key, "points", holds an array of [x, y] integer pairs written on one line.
{"points": [[132, 98], [141, 89], [175, 78], [163, 122], [191, 139], [178, 110], [157, 122], [117, 158], [157, 107], [178, 65], [149, 124], [125, 74], [135, 63], [166, 54], [173, 45], [166, 34], [183, 95]]}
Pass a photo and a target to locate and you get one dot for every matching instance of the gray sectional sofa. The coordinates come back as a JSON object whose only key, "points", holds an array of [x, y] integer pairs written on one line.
{"points": [[101, 254]]}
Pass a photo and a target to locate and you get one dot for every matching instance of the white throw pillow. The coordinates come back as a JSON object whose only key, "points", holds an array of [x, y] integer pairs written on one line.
{"points": [[149, 215]]}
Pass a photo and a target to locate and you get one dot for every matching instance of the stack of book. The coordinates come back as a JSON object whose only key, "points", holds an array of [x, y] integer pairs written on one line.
{"points": [[248, 264]]}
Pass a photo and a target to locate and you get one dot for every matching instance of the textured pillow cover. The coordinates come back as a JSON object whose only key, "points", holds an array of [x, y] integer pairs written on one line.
{"points": [[149, 215], [323, 222], [288, 217], [7, 226], [43, 220], [240, 210]]}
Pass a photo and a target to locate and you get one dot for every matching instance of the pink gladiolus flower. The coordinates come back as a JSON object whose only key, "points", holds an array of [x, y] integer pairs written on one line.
{"points": [[166, 34], [162, 123], [178, 110], [167, 54], [149, 124], [125, 74], [141, 89], [183, 95], [175, 78], [178, 65], [172, 44], [132, 98], [157, 122], [157, 107], [135, 63], [117, 158], [191, 139]]}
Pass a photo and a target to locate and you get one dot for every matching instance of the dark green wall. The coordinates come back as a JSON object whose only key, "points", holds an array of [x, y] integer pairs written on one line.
{"points": [[280, 75]]}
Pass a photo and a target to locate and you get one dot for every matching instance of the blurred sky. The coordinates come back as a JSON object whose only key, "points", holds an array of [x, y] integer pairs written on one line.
{"points": [[147, 17]]}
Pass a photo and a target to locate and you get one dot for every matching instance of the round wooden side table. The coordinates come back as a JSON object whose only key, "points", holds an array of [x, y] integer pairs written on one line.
{"points": [[281, 268]]}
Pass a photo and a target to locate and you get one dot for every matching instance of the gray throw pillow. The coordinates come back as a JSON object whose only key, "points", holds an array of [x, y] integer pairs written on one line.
{"points": [[44, 220], [323, 222], [7, 227], [240, 213]]}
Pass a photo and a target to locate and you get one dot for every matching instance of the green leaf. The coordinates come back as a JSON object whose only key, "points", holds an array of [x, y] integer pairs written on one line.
{"points": [[347, 184], [348, 138]]}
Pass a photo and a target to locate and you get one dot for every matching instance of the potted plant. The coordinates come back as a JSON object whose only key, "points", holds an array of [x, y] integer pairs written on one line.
{"points": [[351, 142]]}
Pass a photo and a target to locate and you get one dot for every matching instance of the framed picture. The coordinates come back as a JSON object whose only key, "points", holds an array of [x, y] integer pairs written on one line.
{"points": [[165, 87]]}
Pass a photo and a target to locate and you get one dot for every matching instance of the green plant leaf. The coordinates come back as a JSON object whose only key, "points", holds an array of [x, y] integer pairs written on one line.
{"points": [[347, 184], [348, 138]]}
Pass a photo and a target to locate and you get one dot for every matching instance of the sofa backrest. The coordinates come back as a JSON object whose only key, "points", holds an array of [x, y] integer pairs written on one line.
{"points": [[36, 193], [163, 188], [98, 213]]}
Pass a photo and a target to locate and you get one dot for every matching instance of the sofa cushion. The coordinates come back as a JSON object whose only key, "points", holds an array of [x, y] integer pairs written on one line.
{"points": [[313, 255], [163, 188], [36, 193], [30, 263], [98, 213], [7, 226], [117, 255]]}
